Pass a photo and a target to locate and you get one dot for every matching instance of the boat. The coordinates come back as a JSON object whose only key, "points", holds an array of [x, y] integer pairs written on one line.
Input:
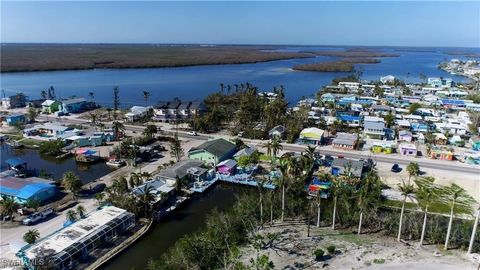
{"points": [[117, 163], [86, 156]]}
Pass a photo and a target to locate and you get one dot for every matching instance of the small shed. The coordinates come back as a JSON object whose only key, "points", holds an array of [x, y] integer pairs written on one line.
{"points": [[227, 167]]}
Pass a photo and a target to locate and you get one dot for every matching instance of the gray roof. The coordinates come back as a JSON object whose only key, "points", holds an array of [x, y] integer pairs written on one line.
{"points": [[374, 125], [197, 105], [355, 166], [279, 129], [218, 147], [180, 169], [345, 138], [73, 101], [245, 152], [184, 105]]}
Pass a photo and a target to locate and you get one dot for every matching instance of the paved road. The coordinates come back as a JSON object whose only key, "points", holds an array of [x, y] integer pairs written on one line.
{"points": [[326, 150]]}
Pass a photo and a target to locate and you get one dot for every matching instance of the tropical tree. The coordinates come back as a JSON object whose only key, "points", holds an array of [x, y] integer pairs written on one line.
{"points": [[413, 170], [146, 95], [8, 206], [146, 200], [32, 114], [283, 166], [474, 231], [176, 150], [427, 193], [389, 119], [81, 211], [369, 195], [407, 190], [319, 209], [72, 183], [71, 215], [458, 199], [33, 203], [116, 102], [31, 236], [43, 93], [118, 128], [100, 197], [276, 147], [150, 131], [261, 186]]}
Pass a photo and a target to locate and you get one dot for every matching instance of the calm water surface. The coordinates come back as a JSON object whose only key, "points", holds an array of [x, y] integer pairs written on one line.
{"points": [[198, 81], [189, 219]]}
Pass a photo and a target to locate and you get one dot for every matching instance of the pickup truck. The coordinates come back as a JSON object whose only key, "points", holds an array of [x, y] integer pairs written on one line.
{"points": [[38, 216]]}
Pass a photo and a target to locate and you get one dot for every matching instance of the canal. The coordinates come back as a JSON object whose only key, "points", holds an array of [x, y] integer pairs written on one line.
{"points": [[56, 167], [187, 220]]}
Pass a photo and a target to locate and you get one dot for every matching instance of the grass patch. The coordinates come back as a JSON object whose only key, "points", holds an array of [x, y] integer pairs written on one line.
{"points": [[379, 261], [435, 207]]}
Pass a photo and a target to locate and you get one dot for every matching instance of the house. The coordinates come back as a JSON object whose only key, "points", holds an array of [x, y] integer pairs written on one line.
{"points": [[172, 111], [51, 106], [345, 141], [158, 188], [457, 141], [276, 132], [196, 108], [440, 139], [404, 136], [382, 147], [328, 98], [49, 131], [441, 153], [349, 167], [16, 101], [190, 169], [407, 149], [312, 136], [213, 151], [74, 105], [380, 109], [85, 140], [227, 167], [24, 189], [440, 82], [374, 127], [16, 118], [420, 127], [184, 110], [72, 244], [247, 151], [402, 124], [350, 120], [136, 113], [475, 143]]}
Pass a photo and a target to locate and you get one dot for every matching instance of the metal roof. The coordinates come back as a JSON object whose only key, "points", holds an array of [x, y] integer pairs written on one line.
{"points": [[217, 147]]}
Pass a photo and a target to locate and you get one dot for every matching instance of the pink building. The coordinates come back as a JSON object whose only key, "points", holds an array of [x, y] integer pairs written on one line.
{"points": [[227, 167]]}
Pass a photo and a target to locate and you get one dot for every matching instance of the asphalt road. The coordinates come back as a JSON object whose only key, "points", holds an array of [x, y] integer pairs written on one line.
{"points": [[325, 150]]}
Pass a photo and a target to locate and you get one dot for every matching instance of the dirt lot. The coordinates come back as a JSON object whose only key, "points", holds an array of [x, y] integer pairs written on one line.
{"points": [[294, 250]]}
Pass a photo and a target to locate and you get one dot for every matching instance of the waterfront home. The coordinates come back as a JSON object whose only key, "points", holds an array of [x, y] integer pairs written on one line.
{"points": [[475, 143], [327, 98], [348, 167], [407, 149], [74, 105], [136, 113], [15, 118], [49, 131], [350, 85], [73, 244], [190, 169], [440, 82], [374, 127], [345, 141], [404, 136], [312, 135], [24, 189], [51, 106], [213, 151], [172, 111], [276, 132], [227, 167], [350, 120], [158, 188], [85, 140], [18, 100], [441, 153]]}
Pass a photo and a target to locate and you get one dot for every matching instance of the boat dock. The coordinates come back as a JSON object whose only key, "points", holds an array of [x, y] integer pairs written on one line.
{"points": [[241, 179]]}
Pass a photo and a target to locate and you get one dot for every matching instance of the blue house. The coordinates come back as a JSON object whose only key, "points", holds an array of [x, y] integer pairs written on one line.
{"points": [[420, 127], [13, 119], [328, 97], [74, 105], [350, 120], [24, 189]]}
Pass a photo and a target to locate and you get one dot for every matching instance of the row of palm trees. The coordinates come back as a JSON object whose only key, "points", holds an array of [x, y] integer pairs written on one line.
{"points": [[367, 193]]}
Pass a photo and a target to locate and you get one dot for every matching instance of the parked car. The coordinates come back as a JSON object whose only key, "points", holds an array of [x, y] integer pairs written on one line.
{"points": [[396, 168], [37, 217], [192, 133], [94, 190]]}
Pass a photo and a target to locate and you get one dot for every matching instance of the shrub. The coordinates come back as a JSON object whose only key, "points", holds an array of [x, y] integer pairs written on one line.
{"points": [[331, 249], [318, 253], [379, 261]]}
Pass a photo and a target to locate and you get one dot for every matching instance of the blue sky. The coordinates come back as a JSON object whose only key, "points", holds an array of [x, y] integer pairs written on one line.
{"points": [[318, 23]]}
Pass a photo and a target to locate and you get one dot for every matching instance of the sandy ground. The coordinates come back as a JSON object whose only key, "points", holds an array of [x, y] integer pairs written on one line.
{"points": [[294, 250], [469, 181]]}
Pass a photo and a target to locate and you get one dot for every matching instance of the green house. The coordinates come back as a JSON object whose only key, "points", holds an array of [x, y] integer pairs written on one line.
{"points": [[50, 106], [213, 151]]}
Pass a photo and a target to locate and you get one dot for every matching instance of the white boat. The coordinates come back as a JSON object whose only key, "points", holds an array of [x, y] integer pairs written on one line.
{"points": [[117, 163]]}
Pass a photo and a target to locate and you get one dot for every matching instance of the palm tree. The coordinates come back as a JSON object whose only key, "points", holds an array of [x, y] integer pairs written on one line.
{"points": [[368, 195], [117, 129], [459, 199], [474, 231], [271, 199], [8, 206], [276, 147], [261, 185], [335, 189], [283, 166], [319, 209], [81, 211], [72, 183], [146, 198], [43, 94], [150, 131], [33, 203], [426, 194], [71, 215], [407, 190], [31, 236], [100, 197], [413, 170], [146, 95]]}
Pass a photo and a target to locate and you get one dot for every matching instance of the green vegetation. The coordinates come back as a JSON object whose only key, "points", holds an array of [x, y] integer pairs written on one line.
{"points": [[318, 253], [51, 148], [379, 261], [337, 66], [72, 183], [44, 57], [31, 236], [8, 206], [331, 249]]}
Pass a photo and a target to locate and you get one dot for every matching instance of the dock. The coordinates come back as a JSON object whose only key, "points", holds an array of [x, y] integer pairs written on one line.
{"points": [[240, 179]]}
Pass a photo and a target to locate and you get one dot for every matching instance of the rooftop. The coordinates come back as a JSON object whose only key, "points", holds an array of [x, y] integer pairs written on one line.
{"points": [[217, 147]]}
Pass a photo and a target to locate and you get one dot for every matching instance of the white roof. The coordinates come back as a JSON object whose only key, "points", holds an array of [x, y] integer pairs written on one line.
{"points": [[373, 119], [312, 132], [403, 123], [48, 102], [74, 233]]}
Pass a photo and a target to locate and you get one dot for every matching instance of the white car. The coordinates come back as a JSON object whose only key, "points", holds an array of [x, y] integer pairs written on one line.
{"points": [[36, 217], [192, 133]]}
